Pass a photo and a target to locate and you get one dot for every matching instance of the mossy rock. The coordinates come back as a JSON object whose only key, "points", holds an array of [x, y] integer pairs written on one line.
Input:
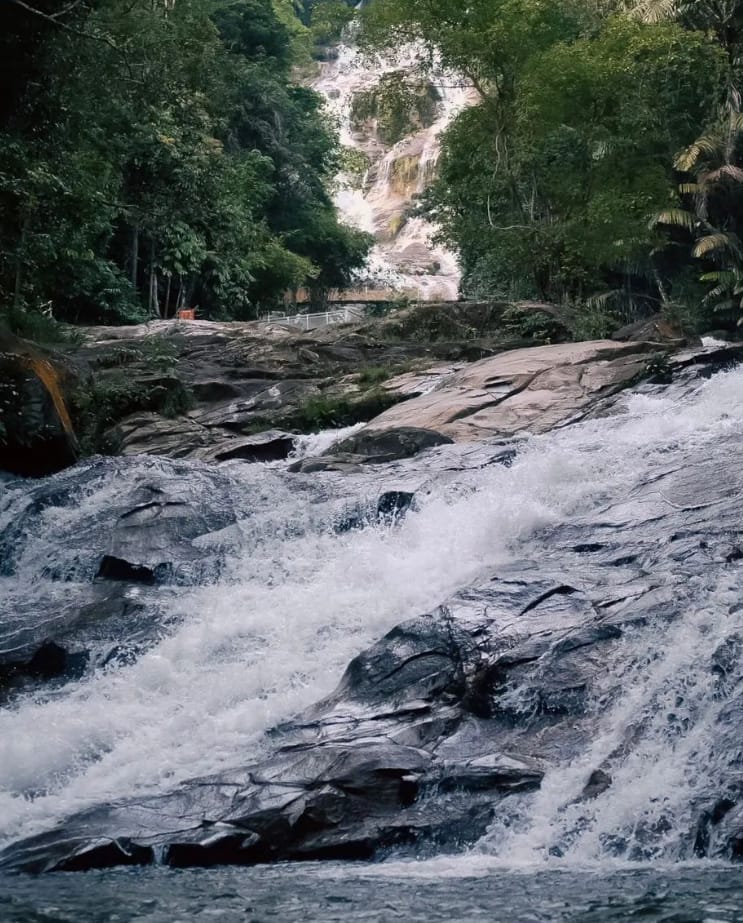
{"points": [[333, 411], [396, 107], [107, 398]]}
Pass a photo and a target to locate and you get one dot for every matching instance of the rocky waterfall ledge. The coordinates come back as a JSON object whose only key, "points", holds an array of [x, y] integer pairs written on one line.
{"points": [[441, 727], [605, 642], [216, 392]]}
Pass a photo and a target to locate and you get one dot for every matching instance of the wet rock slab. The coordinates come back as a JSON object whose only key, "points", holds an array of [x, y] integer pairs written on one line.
{"points": [[439, 728], [448, 723], [523, 390]]}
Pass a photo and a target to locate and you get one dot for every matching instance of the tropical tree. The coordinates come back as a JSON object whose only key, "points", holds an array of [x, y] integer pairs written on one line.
{"points": [[711, 212], [185, 182], [723, 18]]}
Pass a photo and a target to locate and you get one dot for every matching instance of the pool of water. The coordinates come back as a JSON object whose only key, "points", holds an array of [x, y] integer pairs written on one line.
{"points": [[416, 891]]}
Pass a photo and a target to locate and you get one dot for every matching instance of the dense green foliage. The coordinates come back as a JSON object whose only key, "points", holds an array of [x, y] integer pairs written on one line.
{"points": [[157, 154], [576, 177]]}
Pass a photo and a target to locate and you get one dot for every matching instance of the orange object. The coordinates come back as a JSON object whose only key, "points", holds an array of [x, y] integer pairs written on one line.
{"points": [[187, 314]]}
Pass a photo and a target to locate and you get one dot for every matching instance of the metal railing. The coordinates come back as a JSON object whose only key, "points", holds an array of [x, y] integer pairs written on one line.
{"points": [[322, 319]]}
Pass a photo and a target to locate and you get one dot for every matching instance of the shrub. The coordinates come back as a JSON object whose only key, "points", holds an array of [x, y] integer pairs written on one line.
{"points": [[334, 412], [103, 401]]}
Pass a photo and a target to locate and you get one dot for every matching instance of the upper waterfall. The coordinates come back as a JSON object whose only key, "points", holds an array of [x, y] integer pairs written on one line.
{"points": [[380, 197]]}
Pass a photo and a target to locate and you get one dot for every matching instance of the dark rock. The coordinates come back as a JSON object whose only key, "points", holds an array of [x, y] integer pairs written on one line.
{"points": [[394, 504], [269, 446], [655, 329], [341, 461], [152, 434], [270, 400], [418, 660], [49, 661], [182, 437], [708, 821], [113, 568], [402, 442], [598, 782], [390, 508], [92, 629]]}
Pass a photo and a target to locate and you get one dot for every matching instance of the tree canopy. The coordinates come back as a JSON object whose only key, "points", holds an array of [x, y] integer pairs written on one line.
{"points": [[554, 184], [159, 153]]}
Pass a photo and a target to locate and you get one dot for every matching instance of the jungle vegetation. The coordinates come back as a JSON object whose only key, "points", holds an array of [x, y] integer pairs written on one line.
{"points": [[156, 154], [602, 162]]}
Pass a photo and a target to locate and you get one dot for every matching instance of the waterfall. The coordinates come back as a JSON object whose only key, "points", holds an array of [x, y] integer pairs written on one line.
{"points": [[404, 258], [269, 631], [656, 749]]}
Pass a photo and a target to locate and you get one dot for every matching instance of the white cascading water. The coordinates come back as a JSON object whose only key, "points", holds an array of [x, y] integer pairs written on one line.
{"points": [[672, 694], [404, 259], [274, 634]]}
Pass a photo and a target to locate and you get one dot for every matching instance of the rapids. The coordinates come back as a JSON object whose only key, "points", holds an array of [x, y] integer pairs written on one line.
{"points": [[280, 596]]}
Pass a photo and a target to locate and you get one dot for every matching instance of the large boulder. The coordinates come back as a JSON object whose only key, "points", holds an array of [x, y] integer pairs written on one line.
{"points": [[655, 329], [391, 444], [183, 437], [524, 390]]}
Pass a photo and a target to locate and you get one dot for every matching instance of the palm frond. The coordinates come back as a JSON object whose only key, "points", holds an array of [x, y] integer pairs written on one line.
{"points": [[722, 276], [713, 243], [678, 217], [688, 159], [603, 298], [654, 10]]}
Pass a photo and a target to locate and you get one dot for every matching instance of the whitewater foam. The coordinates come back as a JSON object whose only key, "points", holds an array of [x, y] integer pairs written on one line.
{"points": [[275, 632]]}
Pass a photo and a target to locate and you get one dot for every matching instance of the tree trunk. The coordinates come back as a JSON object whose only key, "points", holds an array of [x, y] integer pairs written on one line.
{"points": [[19, 254], [190, 287], [154, 301], [166, 303], [135, 256]]}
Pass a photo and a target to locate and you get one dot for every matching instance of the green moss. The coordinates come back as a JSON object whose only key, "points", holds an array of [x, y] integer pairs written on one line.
{"points": [[105, 400], [31, 325], [374, 375], [154, 351], [336, 411], [398, 106], [354, 164]]}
